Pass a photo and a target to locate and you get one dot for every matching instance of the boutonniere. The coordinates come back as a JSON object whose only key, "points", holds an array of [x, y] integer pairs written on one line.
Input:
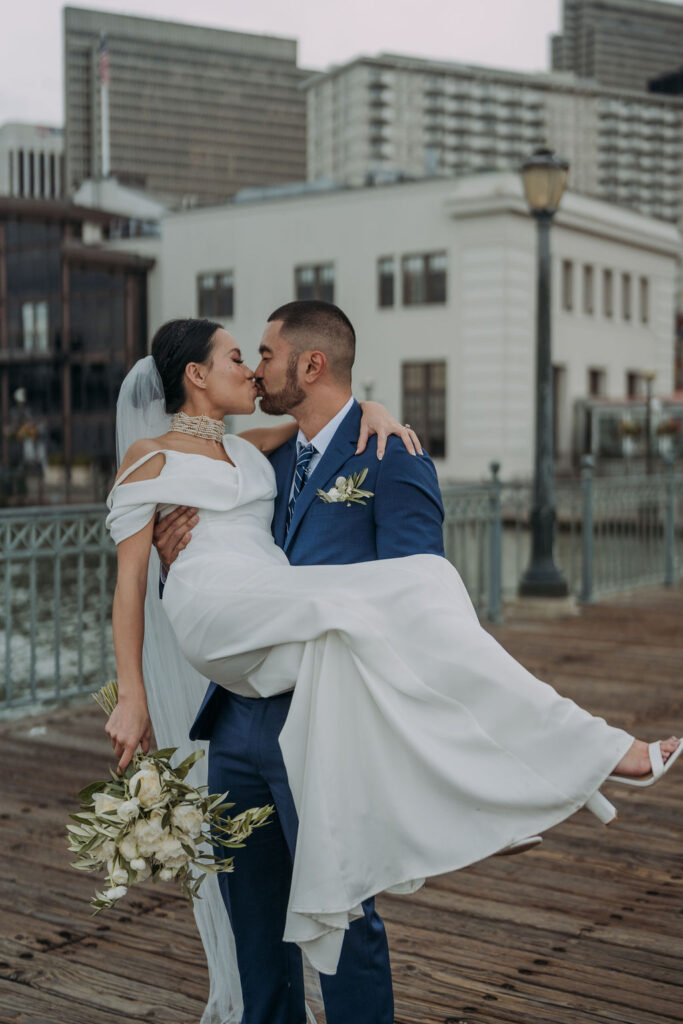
{"points": [[348, 489]]}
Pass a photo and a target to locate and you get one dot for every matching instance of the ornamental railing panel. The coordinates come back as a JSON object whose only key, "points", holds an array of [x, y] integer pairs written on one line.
{"points": [[58, 571]]}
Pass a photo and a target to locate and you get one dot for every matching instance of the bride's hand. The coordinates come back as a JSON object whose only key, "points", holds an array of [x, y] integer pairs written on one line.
{"points": [[128, 726], [377, 420], [173, 533]]}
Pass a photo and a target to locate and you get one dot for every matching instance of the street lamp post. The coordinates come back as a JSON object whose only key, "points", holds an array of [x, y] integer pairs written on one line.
{"points": [[544, 176]]}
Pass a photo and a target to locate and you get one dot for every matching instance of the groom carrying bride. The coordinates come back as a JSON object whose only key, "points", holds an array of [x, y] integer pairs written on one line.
{"points": [[307, 352]]}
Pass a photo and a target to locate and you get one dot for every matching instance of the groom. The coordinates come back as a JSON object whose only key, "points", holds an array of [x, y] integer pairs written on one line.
{"points": [[307, 352]]}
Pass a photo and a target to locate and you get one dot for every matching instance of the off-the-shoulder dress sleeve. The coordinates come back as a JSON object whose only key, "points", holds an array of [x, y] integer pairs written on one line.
{"points": [[131, 507]]}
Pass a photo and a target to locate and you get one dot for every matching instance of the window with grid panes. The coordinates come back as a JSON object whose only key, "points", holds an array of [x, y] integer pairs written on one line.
{"points": [[216, 294], [424, 278], [315, 281], [424, 403]]}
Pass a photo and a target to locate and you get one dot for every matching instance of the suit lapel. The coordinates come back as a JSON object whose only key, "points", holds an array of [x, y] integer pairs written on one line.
{"points": [[284, 472], [337, 454]]}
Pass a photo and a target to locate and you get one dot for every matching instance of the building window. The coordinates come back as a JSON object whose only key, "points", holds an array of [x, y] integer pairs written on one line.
{"points": [[608, 293], [596, 382], [588, 286], [424, 404], [644, 300], [53, 177], [385, 281], [315, 281], [216, 294], [34, 323], [567, 285], [21, 175], [633, 384], [626, 296], [424, 279]]}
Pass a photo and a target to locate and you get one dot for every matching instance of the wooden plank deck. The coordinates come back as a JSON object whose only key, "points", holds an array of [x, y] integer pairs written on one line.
{"points": [[587, 929]]}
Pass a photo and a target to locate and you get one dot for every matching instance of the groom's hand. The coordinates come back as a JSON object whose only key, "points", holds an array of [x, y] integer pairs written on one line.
{"points": [[173, 533]]}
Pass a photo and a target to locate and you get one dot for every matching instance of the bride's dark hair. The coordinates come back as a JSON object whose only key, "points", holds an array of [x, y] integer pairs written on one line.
{"points": [[176, 344]]}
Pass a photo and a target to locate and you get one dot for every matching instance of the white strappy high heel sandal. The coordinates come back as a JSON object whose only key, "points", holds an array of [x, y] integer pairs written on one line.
{"points": [[659, 767], [600, 806]]}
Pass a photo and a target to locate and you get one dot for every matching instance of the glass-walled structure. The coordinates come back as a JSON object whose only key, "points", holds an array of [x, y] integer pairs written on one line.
{"points": [[72, 321]]}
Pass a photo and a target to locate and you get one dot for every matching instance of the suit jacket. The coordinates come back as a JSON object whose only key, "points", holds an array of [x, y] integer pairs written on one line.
{"points": [[404, 516]]}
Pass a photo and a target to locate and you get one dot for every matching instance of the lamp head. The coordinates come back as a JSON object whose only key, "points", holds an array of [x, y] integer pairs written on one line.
{"points": [[544, 175]]}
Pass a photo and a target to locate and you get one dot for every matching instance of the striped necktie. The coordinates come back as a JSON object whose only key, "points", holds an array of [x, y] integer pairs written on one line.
{"points": [[305, 453]]}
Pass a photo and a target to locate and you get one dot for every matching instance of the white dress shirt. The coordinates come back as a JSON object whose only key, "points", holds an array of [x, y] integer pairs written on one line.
{"points": [[321, 440]]}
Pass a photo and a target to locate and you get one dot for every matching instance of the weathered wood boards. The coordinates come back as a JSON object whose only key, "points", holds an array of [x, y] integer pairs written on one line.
{"points": [[587, 929]]}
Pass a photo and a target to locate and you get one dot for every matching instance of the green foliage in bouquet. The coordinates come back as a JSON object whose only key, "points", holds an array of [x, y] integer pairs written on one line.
{"points": [[149, 822]]}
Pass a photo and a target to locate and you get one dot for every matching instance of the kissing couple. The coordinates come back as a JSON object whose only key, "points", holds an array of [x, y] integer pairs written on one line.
{"points": [[352, 685]]}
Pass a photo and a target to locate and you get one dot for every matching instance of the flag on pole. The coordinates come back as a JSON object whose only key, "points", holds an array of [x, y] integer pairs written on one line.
{"points": [[104, 60]]}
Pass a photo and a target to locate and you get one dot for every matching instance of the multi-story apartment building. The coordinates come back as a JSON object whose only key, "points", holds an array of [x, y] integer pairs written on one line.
{"points": [[394, 116], [31, 161], [622, 43], [195, 113]]}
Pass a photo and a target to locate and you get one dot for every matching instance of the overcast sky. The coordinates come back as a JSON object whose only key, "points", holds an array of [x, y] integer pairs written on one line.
{"points": [[502, 33]]}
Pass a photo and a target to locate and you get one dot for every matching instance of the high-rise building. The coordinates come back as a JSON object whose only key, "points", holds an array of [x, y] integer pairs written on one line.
{"points": [[622, 43], [194, 113], [31, 161], [384, 117]]}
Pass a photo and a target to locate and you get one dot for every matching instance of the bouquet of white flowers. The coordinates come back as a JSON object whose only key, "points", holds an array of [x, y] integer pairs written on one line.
{"points": [[149, 822]]}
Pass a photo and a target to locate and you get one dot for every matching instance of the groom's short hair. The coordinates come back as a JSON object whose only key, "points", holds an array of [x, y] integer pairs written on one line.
{"points": [[312, 323]]}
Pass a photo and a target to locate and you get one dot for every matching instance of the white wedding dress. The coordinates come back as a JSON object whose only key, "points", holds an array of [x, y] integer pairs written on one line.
{"points": [[414, 745]]}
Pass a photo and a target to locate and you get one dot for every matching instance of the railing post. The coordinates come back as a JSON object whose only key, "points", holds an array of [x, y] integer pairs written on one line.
{"points": [[587, 464], [495, 546], [670, 527]]}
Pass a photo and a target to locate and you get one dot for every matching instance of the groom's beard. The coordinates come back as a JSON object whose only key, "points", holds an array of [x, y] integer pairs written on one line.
{"points": [[289, 397]]}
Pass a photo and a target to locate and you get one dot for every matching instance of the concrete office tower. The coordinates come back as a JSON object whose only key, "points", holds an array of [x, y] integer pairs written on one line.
{"points": [[31, 161], [623, 43], [380, 118], [195, 113]]}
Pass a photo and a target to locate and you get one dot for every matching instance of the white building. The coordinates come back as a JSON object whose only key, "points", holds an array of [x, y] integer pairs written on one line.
{"points": [[396, 115], [438, 278], [31, 161]]}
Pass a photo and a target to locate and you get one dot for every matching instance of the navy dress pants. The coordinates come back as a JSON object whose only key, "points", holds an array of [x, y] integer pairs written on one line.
{"points": [[245, 758]]}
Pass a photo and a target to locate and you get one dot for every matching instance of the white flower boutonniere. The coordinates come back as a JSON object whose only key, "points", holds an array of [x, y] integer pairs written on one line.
{"points": [[347, 489]]}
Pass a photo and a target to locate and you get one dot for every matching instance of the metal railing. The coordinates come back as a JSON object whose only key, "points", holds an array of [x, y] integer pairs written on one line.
{"points": [[58, 567], [613, 534]]}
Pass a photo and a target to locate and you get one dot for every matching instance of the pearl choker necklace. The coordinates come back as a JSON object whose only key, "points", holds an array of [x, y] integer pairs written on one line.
{"points": [[198, 426]]}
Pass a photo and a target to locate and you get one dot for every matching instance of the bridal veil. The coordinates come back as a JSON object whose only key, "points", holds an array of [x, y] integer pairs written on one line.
{"points": [[174, 693]]}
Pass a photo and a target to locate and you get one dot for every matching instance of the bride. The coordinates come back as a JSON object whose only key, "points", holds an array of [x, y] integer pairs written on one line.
{"points": [[414, 744]]}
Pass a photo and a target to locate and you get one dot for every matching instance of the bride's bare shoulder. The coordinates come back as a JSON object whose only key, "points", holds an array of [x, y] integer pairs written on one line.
{"points": [[150, 468]]}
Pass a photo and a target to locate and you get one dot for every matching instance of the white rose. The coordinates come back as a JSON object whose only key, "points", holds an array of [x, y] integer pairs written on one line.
{"points": [[116, 893], [188, 818], [128, 809], [170, 852], [340, 483], [104, 803], [147, 832], [104, 852], [128, 847], [334, 494], [149, 791], [166, 874], [138, 864]]}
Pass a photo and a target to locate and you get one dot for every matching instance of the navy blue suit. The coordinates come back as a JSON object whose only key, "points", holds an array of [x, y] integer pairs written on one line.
{"points": [[404, 517]]}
